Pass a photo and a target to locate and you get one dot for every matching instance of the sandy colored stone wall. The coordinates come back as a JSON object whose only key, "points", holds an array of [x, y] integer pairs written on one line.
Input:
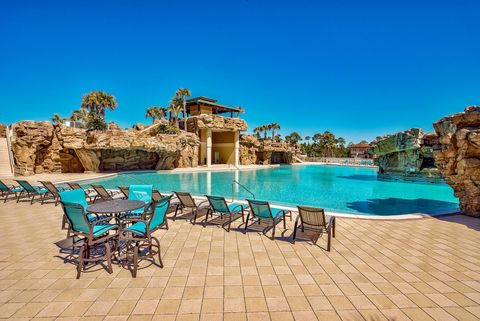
{"points": [[457, 156], [40, 147], [254, 151]]}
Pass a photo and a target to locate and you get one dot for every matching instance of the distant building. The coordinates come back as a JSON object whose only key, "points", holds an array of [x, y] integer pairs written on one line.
{"points": [[360, 150]]}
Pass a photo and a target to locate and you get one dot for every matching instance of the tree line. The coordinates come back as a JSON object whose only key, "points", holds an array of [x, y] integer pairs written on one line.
{"points": [[91, 114]]}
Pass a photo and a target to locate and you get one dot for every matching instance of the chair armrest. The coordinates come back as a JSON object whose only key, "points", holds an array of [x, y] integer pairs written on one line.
{"points": [[239, 206], [106, 219], [201, 203]]}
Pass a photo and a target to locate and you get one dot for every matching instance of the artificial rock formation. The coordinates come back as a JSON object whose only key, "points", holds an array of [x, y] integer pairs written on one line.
{"points": [[457, 156], [407, 155], [205, 121], [254, 151], [42, 147]]}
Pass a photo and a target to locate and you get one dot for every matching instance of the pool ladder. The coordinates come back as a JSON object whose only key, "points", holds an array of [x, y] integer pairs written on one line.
{"points": [[235, 182]]}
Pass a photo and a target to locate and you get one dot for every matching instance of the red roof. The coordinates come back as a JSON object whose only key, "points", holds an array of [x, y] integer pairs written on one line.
{"points": [[361, 145]]}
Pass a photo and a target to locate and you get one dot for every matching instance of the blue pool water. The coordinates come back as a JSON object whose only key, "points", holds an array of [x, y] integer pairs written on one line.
{"points": [[335, 188]]}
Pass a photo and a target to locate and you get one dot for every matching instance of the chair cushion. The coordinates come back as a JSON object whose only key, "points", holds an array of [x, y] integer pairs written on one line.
{"points": [[41, 191], [17, 189], [102, 229], [137, 228]]}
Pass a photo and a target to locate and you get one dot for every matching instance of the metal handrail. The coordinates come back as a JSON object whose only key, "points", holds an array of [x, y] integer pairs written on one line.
{"points": [[9, 134], [242, 186]]}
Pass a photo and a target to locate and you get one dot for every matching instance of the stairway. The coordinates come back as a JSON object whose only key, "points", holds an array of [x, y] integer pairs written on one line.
{"points": [[5, 169]]}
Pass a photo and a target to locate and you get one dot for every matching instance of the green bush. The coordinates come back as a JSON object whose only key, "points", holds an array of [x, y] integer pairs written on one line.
{"points": [[167, 129], [95, 122]]}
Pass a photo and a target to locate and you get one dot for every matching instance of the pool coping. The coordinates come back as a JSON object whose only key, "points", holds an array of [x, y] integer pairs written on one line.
{"points": [[409, 216]]}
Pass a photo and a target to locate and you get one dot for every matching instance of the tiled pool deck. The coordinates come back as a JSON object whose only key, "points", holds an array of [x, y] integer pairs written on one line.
{"points": [[377, 270]]}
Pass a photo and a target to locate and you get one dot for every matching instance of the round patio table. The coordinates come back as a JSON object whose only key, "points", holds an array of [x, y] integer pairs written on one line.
{"points": [[115, 206]]}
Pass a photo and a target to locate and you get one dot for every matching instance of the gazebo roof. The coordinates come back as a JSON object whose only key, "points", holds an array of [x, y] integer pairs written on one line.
{"points": [[216, 107]]}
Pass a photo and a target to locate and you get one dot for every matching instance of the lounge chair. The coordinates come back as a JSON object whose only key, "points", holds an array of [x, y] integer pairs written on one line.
{"points": [[7, 190], [30, 191], [186, 201], [219, 206], [314, 219], [89, 192], [124, 190], [262, 210], [93, 234], [103, 193], [53, 191], [138, 238]]}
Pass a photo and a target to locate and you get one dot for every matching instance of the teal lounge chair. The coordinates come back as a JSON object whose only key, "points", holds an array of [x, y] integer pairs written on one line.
{"points": [[139, 239], [92, 235], [262, 210], [7, 190], [89, 192], [219, 206], [30, 191]]}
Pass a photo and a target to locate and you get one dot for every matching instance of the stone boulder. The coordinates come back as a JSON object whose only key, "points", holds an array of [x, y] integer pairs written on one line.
{"points": [[407, 155], [205, 121], [457, 156], [40, 147], [254, 151]]}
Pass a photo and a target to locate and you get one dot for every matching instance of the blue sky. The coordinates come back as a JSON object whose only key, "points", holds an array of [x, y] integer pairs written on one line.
{"points": [[357, 68]]}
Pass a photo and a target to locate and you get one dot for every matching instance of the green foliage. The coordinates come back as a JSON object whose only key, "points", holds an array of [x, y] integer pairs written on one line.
{"points": [[293, 138], [57, 119], [167, 129], [155, 112], [325, 145], [96, 102], [95, 122]]}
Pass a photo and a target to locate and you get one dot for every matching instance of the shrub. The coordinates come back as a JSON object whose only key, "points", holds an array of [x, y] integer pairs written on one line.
{"points": [[167, 129]]}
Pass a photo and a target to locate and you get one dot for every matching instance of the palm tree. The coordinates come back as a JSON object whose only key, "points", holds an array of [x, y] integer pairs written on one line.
{"points": [[273, 127], [80, 115], [155, 112], [57, 119], [293, 138], [96, 102], [257, 130], [182, 93], [266, 128], [175, 109]]}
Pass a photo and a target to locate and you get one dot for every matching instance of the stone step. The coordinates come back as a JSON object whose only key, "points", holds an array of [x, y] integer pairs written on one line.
{"points": [[5, 170]]}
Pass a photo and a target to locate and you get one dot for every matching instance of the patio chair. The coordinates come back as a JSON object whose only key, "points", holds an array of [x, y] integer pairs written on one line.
{"points": [[262, 211], [92, 234], [140, 193], [138, 238], [186, 201], [77, 196], [30, 191], [103, 193], [7, 190], [219, 206], [89, 192], [53, 191], [314, 219]]}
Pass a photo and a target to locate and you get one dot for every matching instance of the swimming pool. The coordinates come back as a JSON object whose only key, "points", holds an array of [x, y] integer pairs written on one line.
{"points": [[336, 188]]}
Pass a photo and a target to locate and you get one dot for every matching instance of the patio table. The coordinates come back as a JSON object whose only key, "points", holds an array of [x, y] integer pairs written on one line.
{"points": [[115, 206]]}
